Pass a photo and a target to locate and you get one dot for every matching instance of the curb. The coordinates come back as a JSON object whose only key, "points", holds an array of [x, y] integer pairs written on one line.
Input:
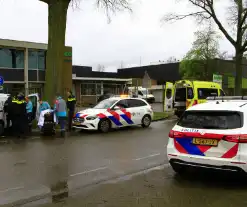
{"points": [[162, 119]]}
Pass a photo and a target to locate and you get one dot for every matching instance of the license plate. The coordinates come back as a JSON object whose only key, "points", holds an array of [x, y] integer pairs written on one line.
{"points": [[77, 123], [209, 142]]}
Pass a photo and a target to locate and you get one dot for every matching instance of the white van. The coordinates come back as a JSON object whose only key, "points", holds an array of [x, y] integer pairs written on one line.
{"points": [[34, 98], [140, 92]]}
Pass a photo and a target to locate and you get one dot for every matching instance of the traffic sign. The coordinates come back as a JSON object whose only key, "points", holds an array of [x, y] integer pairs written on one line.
{"points": [[1, 81]]}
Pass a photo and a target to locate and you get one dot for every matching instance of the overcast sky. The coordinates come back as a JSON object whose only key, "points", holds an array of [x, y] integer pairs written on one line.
{"points": [[133, 38]]}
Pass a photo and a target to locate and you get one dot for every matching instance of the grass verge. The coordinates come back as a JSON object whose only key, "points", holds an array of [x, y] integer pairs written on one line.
{"points": [[159, 116]]}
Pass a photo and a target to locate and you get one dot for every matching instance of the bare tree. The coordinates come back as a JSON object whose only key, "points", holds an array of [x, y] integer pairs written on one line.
{"points": [[57, 17], [101, 68], [237, 18]]}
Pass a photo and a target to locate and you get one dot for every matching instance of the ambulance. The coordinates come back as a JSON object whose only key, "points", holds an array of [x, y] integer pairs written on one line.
{"points": [[186, 93]]}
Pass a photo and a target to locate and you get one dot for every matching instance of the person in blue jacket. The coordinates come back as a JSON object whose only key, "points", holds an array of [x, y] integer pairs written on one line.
{"points": [[43, 106], [29, 109], [61, 112]]}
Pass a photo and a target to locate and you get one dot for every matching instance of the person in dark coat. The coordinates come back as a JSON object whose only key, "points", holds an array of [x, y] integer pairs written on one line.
{"points": [[20, 123], [71, 102], [8, 112]]}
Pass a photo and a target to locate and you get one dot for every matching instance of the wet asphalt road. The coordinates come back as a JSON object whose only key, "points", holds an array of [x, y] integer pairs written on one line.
{"points": [[31, 168], [34, 167]]}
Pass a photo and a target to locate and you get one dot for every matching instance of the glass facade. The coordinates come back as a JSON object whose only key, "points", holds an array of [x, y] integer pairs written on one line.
{"points": [[11, 58], [36, 59]]}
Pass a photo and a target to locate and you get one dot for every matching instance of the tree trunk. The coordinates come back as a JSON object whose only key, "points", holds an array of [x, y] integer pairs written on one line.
{"points": [[57, 17], [239, 73]]}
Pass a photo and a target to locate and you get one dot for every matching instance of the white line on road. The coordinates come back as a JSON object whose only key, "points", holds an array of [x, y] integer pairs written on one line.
{"points": [[9, 189], [89, 171], [35, 138], [141, 158]]}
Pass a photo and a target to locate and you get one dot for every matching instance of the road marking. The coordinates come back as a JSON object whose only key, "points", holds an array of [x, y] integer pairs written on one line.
{"points": [[9, 189], [21, 162], [141, 158], [35, 138], [89, 171]]}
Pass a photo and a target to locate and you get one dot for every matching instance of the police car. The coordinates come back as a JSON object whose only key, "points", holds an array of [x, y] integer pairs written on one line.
{"points": [[114, 112], [212, 135]]}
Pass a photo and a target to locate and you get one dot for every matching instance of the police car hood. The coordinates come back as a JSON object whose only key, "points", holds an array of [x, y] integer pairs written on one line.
{"points": [[90, 111]]}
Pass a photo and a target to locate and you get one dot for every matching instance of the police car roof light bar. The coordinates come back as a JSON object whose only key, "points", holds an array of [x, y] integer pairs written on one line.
{"points": [[224, 98]]}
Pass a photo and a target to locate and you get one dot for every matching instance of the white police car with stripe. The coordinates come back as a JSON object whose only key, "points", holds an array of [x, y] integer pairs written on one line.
{"points": [[115, 112], [211, 135]]}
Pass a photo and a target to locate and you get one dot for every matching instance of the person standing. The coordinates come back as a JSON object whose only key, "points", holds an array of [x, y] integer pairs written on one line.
{"points": [[71, 101], [61, 113], [8, 112], [19, 115], [29, 108], [43, 105]]}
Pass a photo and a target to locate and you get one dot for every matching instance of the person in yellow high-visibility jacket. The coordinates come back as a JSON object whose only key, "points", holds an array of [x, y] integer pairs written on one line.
{"points": [[71, 102]]}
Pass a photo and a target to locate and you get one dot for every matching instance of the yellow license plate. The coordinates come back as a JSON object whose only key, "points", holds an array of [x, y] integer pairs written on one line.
{"points": [[209, 142], [77, 123]]}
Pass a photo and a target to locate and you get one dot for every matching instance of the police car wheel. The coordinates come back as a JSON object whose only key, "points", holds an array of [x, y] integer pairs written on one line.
{"points": [[104, 125], [146, 121]]}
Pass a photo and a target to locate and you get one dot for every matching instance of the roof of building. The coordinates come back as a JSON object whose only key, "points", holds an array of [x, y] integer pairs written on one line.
{"points": [[162, 72]]}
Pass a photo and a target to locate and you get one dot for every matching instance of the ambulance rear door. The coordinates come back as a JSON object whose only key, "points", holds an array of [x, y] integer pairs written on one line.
{"points": [[169, 94]]}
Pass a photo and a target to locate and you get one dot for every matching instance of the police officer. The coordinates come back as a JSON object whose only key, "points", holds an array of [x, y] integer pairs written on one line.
{"points": [[71, 101], [19, 115], [61, 113]]}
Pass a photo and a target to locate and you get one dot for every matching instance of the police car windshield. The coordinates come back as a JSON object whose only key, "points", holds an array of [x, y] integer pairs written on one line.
{"points": [[105, 104], [211, 119]]}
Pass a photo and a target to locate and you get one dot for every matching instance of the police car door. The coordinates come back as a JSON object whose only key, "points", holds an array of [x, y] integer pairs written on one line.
{"points": [[121, 114], [136, 110], [168, 102]]}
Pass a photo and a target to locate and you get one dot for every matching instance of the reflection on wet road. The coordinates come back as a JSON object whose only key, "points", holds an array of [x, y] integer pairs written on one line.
{"points": [[36, 169]]}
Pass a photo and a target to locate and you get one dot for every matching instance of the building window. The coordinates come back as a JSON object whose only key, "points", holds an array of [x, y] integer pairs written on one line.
{"points": [[32, 59], [41, 59], [5, 58], [19, 58], [11, 58], [88, 89], [98, 89]]}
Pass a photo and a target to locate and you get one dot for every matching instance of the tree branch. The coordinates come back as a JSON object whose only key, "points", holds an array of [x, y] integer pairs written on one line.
{"points": [[176, 17], [244, 17], [217, 21], [207, 12]]}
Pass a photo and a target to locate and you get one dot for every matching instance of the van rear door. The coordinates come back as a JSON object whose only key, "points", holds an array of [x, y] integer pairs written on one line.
{"points": [[34, 98], [169, 92]]}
